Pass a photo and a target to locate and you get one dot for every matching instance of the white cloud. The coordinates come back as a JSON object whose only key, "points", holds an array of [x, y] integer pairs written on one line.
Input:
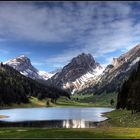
{"points": [[92, 27]]}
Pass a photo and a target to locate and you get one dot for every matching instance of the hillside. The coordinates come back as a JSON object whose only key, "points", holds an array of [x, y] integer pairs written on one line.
{"points": [[116, 73], [129, 96], [16, 88]]}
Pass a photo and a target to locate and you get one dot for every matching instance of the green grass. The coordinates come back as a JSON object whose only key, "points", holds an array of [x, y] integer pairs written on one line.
{"points": [[62, 102], [123, 118], [104, 132], [97, 100], [34, 102], [88, 100], [121, 124]]}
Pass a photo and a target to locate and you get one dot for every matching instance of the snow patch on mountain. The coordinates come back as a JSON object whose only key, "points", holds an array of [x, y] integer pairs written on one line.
{"points": [[80, 82], [133, 63], [45, 75], [25, 67], [24, 73], [79, 73], [99, 70]]}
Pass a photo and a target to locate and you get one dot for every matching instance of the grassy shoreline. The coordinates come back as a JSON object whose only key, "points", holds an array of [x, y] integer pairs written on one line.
{"points": [[62, 102], [119, 125], [122, 118], [87, 100]]}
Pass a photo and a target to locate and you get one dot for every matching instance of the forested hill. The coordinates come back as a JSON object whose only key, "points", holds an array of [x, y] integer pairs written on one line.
{"points": [[129, 95], [16, 88]]}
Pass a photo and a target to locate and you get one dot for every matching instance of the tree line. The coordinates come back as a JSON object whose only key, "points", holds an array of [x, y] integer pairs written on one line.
{"points": [[129, 94], [16, 88]]}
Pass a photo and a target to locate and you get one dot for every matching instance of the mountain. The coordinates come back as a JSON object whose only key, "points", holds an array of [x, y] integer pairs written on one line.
{"points": [[77, 74], [17, 88], [129, 96], [45, 75], [83, 74], [116, 73], [24, 66]]}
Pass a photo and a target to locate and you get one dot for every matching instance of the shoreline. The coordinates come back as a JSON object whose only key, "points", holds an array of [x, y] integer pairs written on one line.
{"points": [[3, 116], [36, 106], [105, 122], [97, 124]]}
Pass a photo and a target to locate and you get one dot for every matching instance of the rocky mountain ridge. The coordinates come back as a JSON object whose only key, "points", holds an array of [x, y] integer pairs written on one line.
{"points": [[116, 73], [76, 75], [25, 67], [83, 73]]}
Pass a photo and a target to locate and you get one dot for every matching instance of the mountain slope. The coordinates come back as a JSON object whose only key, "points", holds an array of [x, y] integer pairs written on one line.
{"points": [[77, 74], [24, 66], [116, 73], [16, 88], [129, 96]]}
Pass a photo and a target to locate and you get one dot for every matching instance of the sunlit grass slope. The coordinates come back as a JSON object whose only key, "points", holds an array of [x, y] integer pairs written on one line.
{"points": [[104, 132]]}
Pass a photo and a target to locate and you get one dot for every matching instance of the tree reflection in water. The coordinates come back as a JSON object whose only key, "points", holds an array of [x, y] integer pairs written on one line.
{"points": [[51, 124]]}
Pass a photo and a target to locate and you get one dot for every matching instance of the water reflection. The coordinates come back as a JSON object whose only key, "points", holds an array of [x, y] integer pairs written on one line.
{"points": [[93, 114], [77, 124], [68, 117], [51, 124]]}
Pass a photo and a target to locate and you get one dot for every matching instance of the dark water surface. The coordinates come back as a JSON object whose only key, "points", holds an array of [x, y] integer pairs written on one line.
{"points": [[53, 117]]}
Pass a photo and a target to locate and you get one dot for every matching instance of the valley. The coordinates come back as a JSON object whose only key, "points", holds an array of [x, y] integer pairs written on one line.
{"points": [[83, 84], [76, 100], [70, 69], [122, 124]]}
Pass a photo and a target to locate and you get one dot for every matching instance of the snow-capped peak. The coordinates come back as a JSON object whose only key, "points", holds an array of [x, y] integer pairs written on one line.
{"points": [[25, 67], [98, 70], [79, 73], [45, 75]]}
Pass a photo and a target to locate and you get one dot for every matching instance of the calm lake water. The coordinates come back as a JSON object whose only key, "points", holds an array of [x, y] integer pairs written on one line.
{"points": [[54, 117]]}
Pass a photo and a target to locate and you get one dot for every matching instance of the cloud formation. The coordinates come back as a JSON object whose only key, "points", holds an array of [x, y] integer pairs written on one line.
{"points": [[93, 27]]}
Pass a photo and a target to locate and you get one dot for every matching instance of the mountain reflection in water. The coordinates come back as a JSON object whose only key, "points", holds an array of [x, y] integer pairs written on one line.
{"points": [[51, 124]]}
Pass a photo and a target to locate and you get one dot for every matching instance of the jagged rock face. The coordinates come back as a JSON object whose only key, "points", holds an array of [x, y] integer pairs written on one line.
{"points": [[116, 73], [126, 57], [80, 71], [118, 61], [24, 66]]}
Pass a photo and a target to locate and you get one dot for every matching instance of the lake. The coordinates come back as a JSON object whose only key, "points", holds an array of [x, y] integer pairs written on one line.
{"points": [[53, 117]]}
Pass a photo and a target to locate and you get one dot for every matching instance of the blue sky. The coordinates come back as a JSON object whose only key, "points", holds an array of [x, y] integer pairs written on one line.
{"points": [[52, 33]]}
